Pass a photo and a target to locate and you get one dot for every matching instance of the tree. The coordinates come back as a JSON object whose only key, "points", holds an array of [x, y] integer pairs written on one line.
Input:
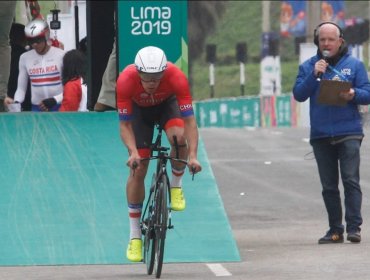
{"points": [[202, 19]]}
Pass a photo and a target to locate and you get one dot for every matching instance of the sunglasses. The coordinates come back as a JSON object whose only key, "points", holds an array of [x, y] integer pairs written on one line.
{"points": [[154, 78], [35, 40]]}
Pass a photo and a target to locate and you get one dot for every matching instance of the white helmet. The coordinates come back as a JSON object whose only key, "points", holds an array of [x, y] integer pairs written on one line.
{"points": [[151, 60], [37, 29]]}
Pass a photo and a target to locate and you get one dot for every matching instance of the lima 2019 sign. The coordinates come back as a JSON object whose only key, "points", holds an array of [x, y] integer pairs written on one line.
{"points": [[153, 23]]}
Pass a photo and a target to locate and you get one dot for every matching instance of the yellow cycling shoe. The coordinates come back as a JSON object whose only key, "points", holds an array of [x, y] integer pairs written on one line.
{"points": [[177, 199], [134, 250]]}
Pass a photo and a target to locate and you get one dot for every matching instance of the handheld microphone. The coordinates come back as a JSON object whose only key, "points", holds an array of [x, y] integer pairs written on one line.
{"points": [[325, 55]]}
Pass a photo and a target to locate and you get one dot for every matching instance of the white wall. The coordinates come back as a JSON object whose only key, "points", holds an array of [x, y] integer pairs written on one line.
{"points": [[66, 34]]}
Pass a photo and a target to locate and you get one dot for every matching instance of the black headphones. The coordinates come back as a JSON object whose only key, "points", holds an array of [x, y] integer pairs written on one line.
{"points": [[316, 32]]}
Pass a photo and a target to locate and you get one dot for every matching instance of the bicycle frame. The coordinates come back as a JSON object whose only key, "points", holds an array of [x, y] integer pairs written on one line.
{"points": [[156, 217], [162, 158]]}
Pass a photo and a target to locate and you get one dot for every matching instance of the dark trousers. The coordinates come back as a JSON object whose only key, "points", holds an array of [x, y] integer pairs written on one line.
{"points": [[343, 157]]}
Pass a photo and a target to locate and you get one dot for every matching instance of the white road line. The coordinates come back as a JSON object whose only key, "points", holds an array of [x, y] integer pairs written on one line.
{"points": [[218, 269]]}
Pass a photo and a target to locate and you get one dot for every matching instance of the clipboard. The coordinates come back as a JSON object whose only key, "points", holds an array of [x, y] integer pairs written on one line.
{"points": [[329, 92]]}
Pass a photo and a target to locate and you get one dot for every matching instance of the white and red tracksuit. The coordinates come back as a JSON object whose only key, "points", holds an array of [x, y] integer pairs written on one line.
{"points": [[44, 72]]}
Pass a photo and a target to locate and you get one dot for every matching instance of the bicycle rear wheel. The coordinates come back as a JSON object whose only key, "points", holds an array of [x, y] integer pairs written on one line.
{"points": [[161, 224]]}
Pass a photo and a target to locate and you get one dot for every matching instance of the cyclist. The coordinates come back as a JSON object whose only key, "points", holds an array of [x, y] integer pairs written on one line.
{"points": [[42, 65], [152, 91]]}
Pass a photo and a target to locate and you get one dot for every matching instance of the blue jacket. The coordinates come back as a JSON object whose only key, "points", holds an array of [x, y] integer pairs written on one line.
{"points": [[327, 120]]}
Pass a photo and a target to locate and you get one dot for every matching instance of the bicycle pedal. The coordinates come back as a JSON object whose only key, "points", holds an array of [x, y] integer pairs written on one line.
{"points": [[170, 227]]}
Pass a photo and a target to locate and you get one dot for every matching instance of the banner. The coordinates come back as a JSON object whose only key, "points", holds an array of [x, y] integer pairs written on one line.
{"points": [[284, 116], [268, 111], [333, 11], [228, 112], [158, 23], [293, 18], [270, 79], [263, 111]]}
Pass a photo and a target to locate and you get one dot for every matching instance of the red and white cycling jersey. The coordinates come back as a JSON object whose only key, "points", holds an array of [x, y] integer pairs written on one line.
{"points": [[129, 89], [44, 72]]}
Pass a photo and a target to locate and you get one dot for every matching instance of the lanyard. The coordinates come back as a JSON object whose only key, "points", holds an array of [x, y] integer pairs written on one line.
{"points": [[338, 73]]}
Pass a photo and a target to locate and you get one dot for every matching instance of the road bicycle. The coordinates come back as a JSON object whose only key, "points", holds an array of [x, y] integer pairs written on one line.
{"points": [[156, 217]]}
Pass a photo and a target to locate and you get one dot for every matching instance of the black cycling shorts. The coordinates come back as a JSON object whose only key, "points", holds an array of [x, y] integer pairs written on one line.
{"points": [[166, 114]]}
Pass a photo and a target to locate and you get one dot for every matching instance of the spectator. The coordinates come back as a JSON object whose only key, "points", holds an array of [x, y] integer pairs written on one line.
{"points": [[74, 85], [107, 95], [43, 66], [18, 45], [7, 12]]}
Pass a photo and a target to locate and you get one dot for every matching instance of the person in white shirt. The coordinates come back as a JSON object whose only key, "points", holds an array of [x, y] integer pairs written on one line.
{"points": [[43, 66]]}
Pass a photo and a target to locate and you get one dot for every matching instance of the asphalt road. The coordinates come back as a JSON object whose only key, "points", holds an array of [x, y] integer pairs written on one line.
{"points": [[269, 185]]}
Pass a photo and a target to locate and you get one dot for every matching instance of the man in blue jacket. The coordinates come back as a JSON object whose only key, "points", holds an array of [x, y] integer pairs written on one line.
{"points": [[336, 131]]}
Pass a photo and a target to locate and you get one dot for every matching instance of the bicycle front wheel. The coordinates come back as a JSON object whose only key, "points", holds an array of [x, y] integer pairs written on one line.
{"points": [[148, 229], [161, 224], [149, 249]]}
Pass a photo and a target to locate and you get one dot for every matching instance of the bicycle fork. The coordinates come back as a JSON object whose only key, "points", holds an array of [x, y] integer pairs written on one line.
{"points": [[170, 225]]}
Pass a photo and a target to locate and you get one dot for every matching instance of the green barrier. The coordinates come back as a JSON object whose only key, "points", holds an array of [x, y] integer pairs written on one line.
{"points": [[235, 112], [284, 111], [266, 111]]}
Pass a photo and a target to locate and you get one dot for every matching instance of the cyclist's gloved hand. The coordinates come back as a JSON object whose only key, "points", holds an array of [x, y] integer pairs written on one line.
{"points": [[48, 103]]}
